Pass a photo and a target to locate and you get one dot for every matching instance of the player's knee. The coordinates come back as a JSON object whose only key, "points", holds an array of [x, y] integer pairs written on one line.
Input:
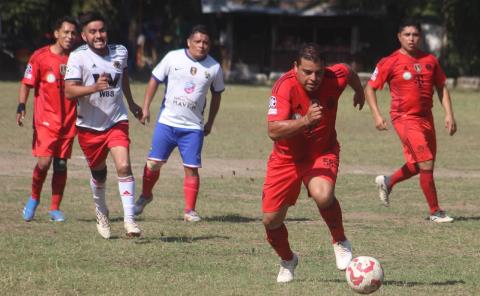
{"points": [[124, 169], [59, 165], [154, 165], [100, 175], [323, 199]]}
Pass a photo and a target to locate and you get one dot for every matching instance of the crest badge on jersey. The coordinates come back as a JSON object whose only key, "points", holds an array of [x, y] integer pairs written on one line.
{"points": [[193, 71], [207, 75], [28, 72], [63, 69], [117, 64], [272, 106], [417, 67]]}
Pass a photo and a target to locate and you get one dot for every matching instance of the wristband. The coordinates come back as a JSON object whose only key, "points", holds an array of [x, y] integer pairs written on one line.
{"points": [[20, 107]]}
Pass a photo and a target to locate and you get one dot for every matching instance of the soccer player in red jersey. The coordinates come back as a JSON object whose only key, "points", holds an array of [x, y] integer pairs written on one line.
{"points": [[53, 116], [301, 122], [412, 75]]}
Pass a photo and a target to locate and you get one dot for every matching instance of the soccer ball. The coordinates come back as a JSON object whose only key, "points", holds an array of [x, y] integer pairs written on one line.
{"points": [[364, 274]]}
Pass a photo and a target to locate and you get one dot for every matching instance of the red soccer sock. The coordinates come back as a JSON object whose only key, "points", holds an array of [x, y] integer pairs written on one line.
{"points": [[191, 185], [428, 187], [333, 218], [59, 179], [278, 239], [150, 177], [38, 178], [408, 170]]}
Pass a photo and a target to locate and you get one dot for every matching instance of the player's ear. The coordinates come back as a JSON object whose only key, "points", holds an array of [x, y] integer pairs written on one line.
{"points": [[56, 33], [295, 66], [84, 37]]}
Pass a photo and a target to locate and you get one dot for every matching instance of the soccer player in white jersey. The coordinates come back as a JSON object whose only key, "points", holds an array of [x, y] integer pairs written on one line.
{"points": [[97, 76], [188, 75]]}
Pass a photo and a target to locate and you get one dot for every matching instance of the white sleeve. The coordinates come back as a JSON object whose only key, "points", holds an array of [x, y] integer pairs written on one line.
{"points": [[124, 54], [160, 72], [74, 67], [218, 84]]}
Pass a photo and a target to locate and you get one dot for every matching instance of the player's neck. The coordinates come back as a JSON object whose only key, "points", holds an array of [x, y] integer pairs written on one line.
{"points": [[412, 53], [58, 50], [101, 52]]}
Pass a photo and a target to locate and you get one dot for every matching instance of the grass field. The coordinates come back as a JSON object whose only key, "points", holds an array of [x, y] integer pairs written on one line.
{"points": [[226, 254]]}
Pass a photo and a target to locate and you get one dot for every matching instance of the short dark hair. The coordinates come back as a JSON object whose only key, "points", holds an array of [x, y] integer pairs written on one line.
{"points": [[64, 19], [88, 17], [311, 52], [409, 23], [199, 29]]}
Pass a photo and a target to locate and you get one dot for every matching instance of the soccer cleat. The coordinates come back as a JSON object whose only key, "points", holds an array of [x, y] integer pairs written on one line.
{"points": [[103, 224], [132, 229], [56, 216], [343, 254], [287, 269], [29, 209], [191, 216], [140, 205], [440, 217], [383, 190]]}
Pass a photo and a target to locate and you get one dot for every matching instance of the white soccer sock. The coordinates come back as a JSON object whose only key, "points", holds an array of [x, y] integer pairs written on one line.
{"points": [[126, 187], [98, 190]]}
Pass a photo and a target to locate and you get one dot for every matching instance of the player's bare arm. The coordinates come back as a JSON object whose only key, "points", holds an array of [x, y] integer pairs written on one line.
{"points": [[444, 97], [212, 113], [134, 108], [356, 85], [152, 87], [22, 101], [371, 97], [75, 89], [283, 129]]}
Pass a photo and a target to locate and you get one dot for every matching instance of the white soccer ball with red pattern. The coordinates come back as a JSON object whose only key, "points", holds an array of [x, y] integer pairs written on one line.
{"points": [[364, 274]]}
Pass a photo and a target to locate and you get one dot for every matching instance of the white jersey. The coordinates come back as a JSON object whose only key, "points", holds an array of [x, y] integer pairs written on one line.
{"points": [[101, 110], [187, 82]]}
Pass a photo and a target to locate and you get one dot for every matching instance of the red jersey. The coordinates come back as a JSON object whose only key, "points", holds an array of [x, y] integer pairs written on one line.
{"points": [[45, 73], [290, 101], [411, 81]]}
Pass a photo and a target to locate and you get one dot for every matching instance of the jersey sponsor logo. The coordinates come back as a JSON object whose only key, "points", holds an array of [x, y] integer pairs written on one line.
{"points": [[185, 102], [272, 106], [63, 69], [111, 81], [407, 75], [417, 67], [374, 74], [193, 71], [50, 78], [28, 72], [189, 87]]}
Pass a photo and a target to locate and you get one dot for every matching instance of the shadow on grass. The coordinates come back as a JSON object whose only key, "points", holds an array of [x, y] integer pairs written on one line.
{"points": [[235, 218], [461, 218], [114, 219], [407, 283], [178, 239]]}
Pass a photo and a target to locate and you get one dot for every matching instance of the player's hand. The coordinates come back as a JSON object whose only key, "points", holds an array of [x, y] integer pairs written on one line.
{"points": [[102, 82], [450, 125], [359, 100], [20, 118], [145, 116], [314, 114], [136, 110], [381, 123], [207, 129]]}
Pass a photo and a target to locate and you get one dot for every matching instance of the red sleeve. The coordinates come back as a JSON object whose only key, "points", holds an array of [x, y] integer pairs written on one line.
{"points": [[31, 74], [438, 75], [380, 74], [342, 74]]}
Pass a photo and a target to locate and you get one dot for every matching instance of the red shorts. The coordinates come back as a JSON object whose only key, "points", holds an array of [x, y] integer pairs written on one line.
{"points": [[47, 143], [417, 135], [96, 144], [284, 178]]}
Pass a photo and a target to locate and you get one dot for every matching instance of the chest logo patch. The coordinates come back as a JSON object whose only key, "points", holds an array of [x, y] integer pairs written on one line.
{"points": [[193, 71], [417, 67], [50, 78], [407, 75], [63, 69], [189, 87], [272, 106]]}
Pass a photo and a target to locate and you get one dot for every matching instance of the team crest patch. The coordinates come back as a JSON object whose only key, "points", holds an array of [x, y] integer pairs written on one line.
{"points": [[407, 75], [429, 67], [50, 78], [272, 106], [207, 75], [417, 67], [63, 69], [193, 71], [117, 64], [28, 72]]}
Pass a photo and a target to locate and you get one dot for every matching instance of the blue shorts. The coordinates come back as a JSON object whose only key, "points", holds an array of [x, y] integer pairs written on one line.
{"points": [[189, 142]]}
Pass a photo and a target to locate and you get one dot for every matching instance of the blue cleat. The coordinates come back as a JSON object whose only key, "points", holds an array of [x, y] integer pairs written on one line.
{"points": [[56, 216], [29, 209]]}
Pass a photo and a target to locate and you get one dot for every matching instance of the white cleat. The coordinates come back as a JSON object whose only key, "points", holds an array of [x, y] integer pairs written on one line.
{"points": [[191, 216], [287, 269], [343, 254], [383, 190], [103, 224], [440, 217], [132, 229]]}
